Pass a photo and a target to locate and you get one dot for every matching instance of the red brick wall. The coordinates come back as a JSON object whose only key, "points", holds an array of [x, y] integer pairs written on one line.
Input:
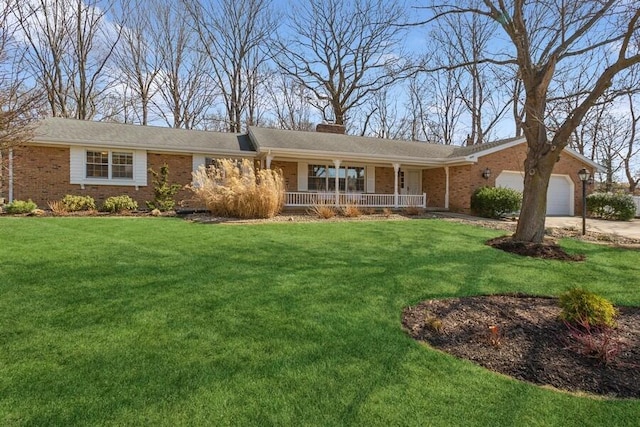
{"points": [[289, 173], [384, 180], [465, 179], [42, 174], [434, 184]]}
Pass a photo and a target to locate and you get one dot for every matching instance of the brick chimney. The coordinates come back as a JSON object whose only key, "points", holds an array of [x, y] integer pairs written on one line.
{"points": [[331, 128]]}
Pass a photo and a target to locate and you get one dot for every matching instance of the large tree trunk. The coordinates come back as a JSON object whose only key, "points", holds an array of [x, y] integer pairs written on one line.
{"points": [[538, 167]]}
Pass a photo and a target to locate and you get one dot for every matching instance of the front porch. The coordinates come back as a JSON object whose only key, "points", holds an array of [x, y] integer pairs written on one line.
{"points": [[368, 200]]}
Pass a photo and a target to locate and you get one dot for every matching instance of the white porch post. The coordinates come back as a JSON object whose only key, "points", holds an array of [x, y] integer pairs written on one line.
{"points": [[269, 159], [336, 163], [396, 169], [446, 187]]}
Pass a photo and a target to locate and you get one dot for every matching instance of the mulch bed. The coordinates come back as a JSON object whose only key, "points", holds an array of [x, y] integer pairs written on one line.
{"points": [[546, 250], [523, 337]]}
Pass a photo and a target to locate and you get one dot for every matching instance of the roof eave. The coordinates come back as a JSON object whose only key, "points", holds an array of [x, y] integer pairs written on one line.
{"points": [[128, 146]]}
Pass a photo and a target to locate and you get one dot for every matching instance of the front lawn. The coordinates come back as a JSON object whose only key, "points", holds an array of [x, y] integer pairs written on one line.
{"points": [[157, 321]]}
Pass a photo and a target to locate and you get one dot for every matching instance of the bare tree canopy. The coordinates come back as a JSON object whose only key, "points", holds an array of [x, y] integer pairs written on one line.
{"points": [[233, 33], [546, 41], [70, 43], [342, 51]]}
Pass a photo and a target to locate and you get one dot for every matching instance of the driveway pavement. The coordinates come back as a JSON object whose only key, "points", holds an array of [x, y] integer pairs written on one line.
{"points": [[630, 229]]}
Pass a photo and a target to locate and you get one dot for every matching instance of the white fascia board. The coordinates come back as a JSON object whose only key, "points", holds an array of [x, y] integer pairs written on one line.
{"points": [[175, 150], [473, 157], [372, 158]]}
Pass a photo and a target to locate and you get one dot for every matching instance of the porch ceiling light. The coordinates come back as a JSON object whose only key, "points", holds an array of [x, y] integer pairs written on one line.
{"points": [[486, 173]]}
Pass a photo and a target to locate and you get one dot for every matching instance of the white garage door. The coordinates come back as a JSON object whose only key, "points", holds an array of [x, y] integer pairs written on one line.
{"points": [[559, 194]]}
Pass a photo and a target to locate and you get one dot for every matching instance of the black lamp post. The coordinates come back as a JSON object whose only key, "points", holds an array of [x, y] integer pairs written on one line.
{"points": [[584, 176]]}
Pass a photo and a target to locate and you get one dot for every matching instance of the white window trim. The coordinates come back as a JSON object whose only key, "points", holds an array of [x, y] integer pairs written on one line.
{"points": [[78, 170], [303, 172]]}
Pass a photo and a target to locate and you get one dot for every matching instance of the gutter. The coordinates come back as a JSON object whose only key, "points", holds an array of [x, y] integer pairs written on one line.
{"points": [[10, 175]]}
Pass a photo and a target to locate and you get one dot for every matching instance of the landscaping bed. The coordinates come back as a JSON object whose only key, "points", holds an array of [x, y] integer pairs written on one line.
{"points": [[523, 337]]}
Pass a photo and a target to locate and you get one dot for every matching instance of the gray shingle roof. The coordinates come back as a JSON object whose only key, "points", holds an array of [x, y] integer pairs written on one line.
{"points": [[83, 132], [327, 142], [472, 149]]}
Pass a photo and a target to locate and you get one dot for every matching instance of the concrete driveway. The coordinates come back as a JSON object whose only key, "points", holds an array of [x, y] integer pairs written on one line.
{"points": [[630, 229]]}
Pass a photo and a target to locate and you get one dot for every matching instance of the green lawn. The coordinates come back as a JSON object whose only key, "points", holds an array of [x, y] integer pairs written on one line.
{"points": [[156, 321]]}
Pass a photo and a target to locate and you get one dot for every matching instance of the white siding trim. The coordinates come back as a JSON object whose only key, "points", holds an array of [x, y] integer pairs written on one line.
{"points": [[370, 173], [303, 178]]}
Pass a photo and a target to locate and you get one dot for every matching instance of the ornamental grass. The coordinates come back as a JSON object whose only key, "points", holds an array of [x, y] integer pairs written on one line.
{"points": [[234, 189]]}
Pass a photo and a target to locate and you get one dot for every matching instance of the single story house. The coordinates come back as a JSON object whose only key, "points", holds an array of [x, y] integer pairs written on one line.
{"points": [[102, 159]]}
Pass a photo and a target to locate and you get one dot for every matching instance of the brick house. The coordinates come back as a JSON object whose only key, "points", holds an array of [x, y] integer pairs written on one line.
{"points": [[104, 159]]}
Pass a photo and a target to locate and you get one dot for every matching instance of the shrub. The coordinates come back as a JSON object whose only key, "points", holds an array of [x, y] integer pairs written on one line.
{"points": [[615, 206], [20, 207], [412, 210], [234, 189], [163, 192], [583, 307], [78, 203], [494, 202], [116, 204], [351, 211], [601, 343], [322, 211], [57, 207], [386, 212]]}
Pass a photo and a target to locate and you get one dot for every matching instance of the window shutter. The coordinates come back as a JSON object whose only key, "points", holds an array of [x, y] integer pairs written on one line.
{"points": [[77, 161], [303, 176]]}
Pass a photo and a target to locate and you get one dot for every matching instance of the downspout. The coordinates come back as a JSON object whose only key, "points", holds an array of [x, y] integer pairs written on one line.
{"points": [[10, 175], [446, 187]]}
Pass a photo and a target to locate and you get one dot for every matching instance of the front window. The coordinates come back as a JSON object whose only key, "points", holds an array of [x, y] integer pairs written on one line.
{"points": [[351, 179], [109, 165]]}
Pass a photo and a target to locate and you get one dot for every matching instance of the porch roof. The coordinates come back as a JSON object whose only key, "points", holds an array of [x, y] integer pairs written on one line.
{"points": [[319, 143]]}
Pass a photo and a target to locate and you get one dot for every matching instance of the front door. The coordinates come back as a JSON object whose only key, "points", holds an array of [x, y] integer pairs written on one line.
{"points": [[412, 182]]}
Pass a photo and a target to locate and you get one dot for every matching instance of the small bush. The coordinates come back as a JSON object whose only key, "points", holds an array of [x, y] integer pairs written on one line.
{"points": [[434, 324], [78, 203], [163, 192], [412, 210], [351, 211], [117, 204], [601, 343], [495, 202], [57, 207], [615, 206], [230, 188], [583, 307], [386, 212], [322, 211], [20, 207]]}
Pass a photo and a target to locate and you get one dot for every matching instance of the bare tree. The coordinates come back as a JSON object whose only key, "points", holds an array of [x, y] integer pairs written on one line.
{"points": [[186, 91], [289, 102], [234, 34], [632, 153], [70, 43], [466, 38], [137, 60], [546, 39], [19, 101], [342, 51]]}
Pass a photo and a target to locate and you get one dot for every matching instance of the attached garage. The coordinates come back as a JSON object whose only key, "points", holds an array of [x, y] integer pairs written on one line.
{"points": [[559, 193]]}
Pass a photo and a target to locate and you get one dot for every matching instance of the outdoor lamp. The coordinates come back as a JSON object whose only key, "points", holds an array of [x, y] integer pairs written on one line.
{"points": [[486, 173], [584, 176]]}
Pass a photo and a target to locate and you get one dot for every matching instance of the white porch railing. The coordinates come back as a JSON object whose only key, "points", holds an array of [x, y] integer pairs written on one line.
{"points": [[636, 200], [302, 199]]}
